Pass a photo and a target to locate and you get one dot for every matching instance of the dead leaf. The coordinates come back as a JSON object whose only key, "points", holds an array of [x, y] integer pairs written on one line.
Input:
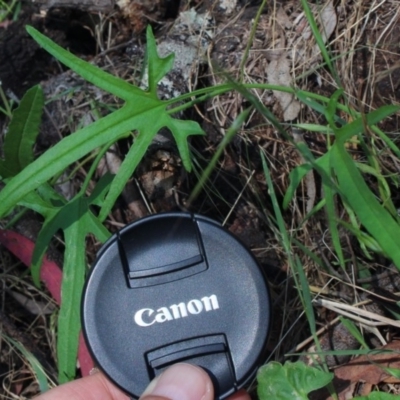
{"points": [[283, 19], [328, 21], [367, 368], [279, 74]]}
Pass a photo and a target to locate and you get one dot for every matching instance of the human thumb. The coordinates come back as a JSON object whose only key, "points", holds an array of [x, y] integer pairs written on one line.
{"points": [[180, 382]]}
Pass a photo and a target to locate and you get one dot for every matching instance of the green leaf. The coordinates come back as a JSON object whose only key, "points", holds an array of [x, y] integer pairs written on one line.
{"points": [[142, 112], [37, 368], [71, 292], [295, 177], [305, 98], [37, 203], [278, 214], [319, 39], [292, 381], [158, 67], [329, 196], [179, 129], [354, 128], [370, 212], [22, 133], [358, 125], [118, 87], [330, 110], [229, 135], [352, 328], [366, 241], [74, 271], [379, 396], [100, 190], [314, 128], [76, 220], [392, 371], [383, 186]]}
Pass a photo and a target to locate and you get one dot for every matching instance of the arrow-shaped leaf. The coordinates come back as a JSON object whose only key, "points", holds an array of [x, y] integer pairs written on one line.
{"points": [[142, 112]]}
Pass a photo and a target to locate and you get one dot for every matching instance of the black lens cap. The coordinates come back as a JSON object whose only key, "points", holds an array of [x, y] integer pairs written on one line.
{"points": [[176, 287]]}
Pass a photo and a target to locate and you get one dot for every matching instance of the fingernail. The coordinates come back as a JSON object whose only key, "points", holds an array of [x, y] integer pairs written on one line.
{"points": [[181, 382]]}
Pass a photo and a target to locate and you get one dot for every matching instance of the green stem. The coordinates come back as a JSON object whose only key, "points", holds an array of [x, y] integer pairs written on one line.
{"points": [[250, 41], [211, 165], [227, 87], [93, 167]]}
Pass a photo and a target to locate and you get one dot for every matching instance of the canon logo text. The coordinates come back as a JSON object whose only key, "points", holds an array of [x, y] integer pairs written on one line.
{"points": [[148, 316]]}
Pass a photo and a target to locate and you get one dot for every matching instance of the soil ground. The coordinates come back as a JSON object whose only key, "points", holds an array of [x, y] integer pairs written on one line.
{"points": [[364, 42]]}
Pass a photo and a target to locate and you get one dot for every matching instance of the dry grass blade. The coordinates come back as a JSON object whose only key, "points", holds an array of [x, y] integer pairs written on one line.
{"points": [[357, 314]]}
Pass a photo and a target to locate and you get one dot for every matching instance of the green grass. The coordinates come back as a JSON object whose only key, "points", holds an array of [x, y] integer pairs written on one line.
{"points": [[355, 200], [9, 10]]}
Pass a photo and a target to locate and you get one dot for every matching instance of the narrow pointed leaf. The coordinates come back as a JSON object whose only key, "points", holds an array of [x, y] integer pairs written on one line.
{"points": [[118, 87], [59, 157], [330, 110], [35, 202], [332, 222], [101, 189], [36, 366], [71, 292], [97, 228], [295, 177], [131, 161], [60, 218], [74, 273], [352, 129], [358, 126], [158, 67], [181, 130], [370, 212], [22, 133]]}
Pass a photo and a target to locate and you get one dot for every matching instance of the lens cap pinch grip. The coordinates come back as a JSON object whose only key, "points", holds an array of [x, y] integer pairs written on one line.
{"points": [[176, 287]]}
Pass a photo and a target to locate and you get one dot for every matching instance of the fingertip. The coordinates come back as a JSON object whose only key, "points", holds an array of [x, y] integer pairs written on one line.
{"points": [[180, 382], [240, 395]]}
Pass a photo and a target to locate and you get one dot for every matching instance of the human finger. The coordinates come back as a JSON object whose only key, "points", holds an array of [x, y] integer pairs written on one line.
{"points": [[240, 395], [94, 387], [181, 382]]}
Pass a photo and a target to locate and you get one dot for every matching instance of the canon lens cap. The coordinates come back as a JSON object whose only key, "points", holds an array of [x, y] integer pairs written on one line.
{"points": [[176, 287]]}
